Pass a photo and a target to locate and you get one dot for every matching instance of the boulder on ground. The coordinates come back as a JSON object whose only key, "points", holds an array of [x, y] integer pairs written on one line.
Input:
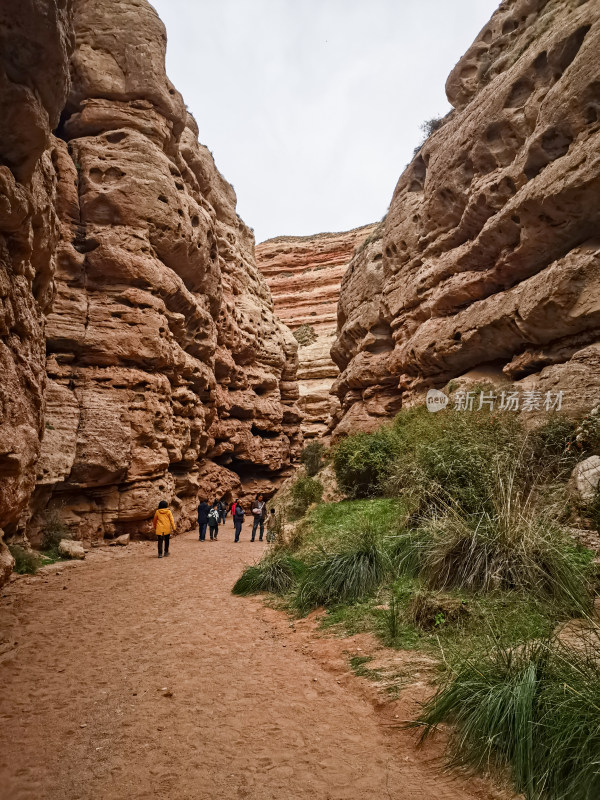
{"points": [[120, 541], [586, 478], [71, 549], [7, 562]]}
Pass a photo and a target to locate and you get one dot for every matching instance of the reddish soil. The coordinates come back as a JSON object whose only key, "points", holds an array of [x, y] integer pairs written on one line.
{"points": [[129, 677]]}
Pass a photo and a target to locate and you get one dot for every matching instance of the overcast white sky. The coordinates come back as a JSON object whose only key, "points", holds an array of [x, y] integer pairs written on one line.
{"points": [[312, 107]]}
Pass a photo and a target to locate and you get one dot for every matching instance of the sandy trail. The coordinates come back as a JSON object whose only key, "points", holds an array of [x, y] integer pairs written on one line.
{"points": [[85, 655]]}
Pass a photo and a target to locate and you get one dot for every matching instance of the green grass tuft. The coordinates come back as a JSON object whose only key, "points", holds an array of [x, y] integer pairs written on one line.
{"points": [[277, 572], [533, 710], [353, 572]]}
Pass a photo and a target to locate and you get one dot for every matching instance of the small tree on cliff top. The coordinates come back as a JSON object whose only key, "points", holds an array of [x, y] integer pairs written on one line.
{"points": [[305, 335]]}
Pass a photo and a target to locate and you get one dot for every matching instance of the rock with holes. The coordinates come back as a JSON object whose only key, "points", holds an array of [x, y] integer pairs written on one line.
{"points": [[585, 478], [34, 81], [304, 274], [490, 252], [168, 375]]}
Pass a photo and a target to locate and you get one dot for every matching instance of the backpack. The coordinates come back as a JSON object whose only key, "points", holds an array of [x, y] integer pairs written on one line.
{"points": [[213, 517]]}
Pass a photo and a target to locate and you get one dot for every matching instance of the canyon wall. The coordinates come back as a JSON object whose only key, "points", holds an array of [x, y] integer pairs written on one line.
{"points": [[35, 44], [304, 275], [490, 257], [168, 375]]}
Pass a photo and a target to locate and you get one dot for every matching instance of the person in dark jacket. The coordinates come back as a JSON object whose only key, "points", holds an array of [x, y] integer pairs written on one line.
{"points": [[203, 510], [238, 519], [213, 521], [222, 506]]}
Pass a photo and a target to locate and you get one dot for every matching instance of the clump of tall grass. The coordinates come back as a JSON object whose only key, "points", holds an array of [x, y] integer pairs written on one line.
{"points": [[277, 573], [533, 710], [514, 543], [353, 572]]}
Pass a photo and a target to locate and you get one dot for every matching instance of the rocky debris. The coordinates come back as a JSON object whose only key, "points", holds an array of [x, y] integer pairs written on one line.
{"points": [[167, 374], [585, 478], [120, 541], [490, 254], [69, 548], [304, 274]]}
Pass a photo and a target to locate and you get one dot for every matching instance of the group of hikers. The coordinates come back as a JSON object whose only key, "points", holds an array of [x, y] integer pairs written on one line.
{"points": [[211, 515]]}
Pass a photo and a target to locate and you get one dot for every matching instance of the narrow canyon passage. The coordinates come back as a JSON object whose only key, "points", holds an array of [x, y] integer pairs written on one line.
{"points": [[133, 677]]}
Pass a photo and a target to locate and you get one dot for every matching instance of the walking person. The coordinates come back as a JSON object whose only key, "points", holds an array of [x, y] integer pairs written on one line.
{"points": [[238, 519], [259, 512], [203, 510], [272, 526], [213, 522], [222, 507], [163, 523]]}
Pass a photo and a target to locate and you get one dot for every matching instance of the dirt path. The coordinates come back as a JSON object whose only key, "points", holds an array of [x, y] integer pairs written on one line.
{"points": [[132, 677]]}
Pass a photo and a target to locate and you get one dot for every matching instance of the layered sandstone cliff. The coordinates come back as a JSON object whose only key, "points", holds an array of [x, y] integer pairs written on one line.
{"points": [[490, 257], [168, 374], [304, 274]]}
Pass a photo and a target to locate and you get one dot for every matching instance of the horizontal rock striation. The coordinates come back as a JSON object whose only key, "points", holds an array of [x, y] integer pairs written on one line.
{"points": [[304, 275], [168, 375], [490, 257]]}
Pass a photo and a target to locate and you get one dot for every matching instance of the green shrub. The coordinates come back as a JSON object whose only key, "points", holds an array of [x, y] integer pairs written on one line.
{"points": [[362, 462], [534, 710], [587, 433], [554, 440], [26, 561], [276, 573], [312, 458], [305, 335], [304, 492], [353, 572], [451, 457], [53, 530]]}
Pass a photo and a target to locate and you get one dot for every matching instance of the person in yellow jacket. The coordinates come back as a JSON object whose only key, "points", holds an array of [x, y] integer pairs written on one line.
{"points": [[163, 523]]}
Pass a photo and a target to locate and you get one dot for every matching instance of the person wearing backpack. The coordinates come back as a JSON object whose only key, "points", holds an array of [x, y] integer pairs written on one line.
{"points": [[238, 519], [213, 521], [163, 523], [259, 512], [203, 510]]}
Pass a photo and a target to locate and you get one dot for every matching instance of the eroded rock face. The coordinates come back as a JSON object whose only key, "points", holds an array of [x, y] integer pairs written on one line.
{"points": [[35, 43], [304, 274], [491, 248], [168, 375]]}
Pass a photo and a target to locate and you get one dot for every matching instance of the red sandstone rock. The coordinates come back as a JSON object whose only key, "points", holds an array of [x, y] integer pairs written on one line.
{"points": [[304, 274], [491, 254], [33, 92], [168, 375]]}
